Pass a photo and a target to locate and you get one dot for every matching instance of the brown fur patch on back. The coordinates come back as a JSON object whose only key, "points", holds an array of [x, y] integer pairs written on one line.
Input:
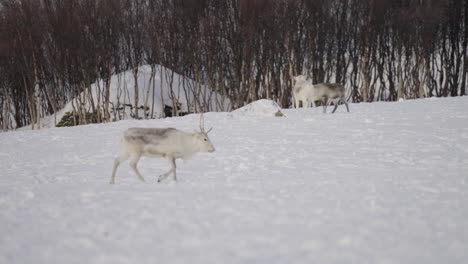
{"points": [[147, 135]]}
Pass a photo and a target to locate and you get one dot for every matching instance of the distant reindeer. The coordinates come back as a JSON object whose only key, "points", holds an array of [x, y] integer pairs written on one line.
{"points": [[169, 143], [308, 93]]}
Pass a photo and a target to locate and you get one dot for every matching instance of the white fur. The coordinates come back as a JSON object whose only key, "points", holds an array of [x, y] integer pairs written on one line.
{"points": [[169, 143], [302, 91]]}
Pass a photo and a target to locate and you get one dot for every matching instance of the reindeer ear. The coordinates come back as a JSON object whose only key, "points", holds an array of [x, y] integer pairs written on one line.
{"points": [[209, 130]]}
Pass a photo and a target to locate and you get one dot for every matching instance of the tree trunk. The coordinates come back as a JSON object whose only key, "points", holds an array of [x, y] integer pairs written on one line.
{"points": [[400, 80], [135, 78], [6, 110], [107, 97], [151, 80], [48, 95], [421, 77], [365, 79], [37, 96], [465, 55]]}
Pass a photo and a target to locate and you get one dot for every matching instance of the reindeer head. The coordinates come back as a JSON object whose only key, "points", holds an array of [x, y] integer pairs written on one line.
{"points": [[202, 138], [299, 78]]}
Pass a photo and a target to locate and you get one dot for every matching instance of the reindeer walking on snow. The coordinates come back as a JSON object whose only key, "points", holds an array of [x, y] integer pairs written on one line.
{"points": [[169, 143]]}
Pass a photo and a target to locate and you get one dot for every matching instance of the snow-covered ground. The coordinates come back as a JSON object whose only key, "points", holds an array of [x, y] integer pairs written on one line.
{"points": [[385, 183]]}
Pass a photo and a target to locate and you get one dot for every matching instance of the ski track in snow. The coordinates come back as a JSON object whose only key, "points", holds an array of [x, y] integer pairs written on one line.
{"points": [[386, 183]]}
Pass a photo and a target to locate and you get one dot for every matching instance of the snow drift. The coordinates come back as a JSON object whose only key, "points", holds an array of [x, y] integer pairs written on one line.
{"points": [[261, 107]]}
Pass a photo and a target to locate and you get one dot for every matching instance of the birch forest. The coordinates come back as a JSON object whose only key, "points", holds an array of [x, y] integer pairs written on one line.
{"points": [[51, 51]]}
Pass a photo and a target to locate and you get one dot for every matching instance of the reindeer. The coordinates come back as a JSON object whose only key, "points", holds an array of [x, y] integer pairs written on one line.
{"points": [[309, 93], [169, 143], [301, 91]]}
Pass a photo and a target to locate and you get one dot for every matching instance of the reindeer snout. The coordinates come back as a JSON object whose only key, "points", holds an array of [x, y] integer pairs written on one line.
{"points": [[211, 150]]}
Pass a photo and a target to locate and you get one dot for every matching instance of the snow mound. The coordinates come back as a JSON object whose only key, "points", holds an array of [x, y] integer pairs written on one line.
{"points": [[156, 89], [263, 107]]}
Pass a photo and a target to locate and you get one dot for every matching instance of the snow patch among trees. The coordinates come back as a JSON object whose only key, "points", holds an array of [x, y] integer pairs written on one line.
{"points": [[159, 89]]}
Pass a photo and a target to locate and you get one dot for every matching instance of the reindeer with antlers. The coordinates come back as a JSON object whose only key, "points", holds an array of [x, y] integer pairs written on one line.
{"points": [[169, 143]]}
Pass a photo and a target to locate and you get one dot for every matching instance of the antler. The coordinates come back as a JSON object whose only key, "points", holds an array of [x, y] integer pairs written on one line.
{"points": [[202, 124]]}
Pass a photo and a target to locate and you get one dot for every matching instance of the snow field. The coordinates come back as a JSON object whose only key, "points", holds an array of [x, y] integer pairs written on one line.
{"points": [[385, 183]]}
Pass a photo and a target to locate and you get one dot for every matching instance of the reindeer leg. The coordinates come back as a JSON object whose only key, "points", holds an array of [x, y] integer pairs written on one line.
{"points": [[122, 157], [336, 106], [325, 103], [172, 169], [133, 164], [346, 103]]}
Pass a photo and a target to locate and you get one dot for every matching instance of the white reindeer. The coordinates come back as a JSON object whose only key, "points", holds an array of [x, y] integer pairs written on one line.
{"points": [[309, 93], [169, 143], [301, 91]]}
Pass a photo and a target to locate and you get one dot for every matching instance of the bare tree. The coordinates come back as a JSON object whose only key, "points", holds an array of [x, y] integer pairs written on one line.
{"points": [[53, 51]]}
